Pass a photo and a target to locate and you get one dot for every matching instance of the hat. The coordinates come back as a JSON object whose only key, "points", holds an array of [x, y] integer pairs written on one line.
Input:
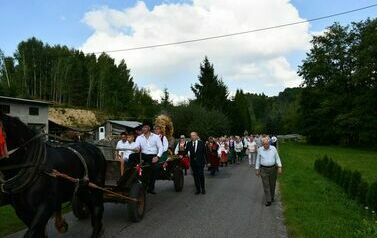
{"points": [[182, 137]]}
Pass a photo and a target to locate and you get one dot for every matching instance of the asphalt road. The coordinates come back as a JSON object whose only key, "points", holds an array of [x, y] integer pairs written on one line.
{"points": [[233, 207]]}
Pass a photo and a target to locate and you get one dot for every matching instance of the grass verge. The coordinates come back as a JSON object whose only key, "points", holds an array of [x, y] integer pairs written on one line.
{"points": [[316, 207]]}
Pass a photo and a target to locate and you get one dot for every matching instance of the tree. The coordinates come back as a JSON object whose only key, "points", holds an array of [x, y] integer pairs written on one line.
{"points": [[210, 92], [339, 96], [192, 117], [239, 113], [166, 103]]}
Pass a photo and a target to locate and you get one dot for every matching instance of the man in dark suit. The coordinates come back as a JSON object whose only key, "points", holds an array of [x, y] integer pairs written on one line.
{"points": [[198, 158]]}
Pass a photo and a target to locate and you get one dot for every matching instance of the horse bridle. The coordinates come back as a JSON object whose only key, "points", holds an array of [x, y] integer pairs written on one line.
{"points": [[24, 165], [28, 171]]}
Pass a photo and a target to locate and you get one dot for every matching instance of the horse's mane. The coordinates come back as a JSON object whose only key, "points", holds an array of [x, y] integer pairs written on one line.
{"points": [[18, 128]]}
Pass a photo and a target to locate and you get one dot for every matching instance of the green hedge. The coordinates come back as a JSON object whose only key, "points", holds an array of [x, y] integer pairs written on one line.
{"points": [[351, 181]]}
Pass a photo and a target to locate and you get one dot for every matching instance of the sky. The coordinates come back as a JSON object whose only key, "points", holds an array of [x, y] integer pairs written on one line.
{"points": [[262, 62]]}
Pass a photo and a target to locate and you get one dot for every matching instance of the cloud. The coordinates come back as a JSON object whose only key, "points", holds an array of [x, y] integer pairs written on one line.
{"points": [[156, 93], [256, 62]]}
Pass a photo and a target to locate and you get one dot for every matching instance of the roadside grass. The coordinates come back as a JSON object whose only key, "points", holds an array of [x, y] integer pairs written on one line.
{"points": [[315, 206], [9, 222]]}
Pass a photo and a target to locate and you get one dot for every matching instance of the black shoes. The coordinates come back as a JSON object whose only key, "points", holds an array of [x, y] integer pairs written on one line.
{"points": [[152, 192], [203, 192], [268, 204], [197, 193]]}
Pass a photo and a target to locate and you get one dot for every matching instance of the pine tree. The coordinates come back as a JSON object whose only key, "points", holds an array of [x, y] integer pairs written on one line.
{"points": [[210, 92]]}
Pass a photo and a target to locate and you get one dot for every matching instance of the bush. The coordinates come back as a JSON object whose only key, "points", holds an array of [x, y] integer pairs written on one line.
{"points": [[346, 179], [354, 184], [329, 168], [362, 192], [372, 196], [338, 174], [351, 182]]}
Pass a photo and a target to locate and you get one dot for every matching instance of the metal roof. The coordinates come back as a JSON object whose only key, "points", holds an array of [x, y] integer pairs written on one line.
{"points": [[24, 101], [130, 124]]}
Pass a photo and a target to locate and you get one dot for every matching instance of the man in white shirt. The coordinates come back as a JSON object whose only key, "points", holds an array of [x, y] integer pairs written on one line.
{"points": [[151, 151], [268, 164]]}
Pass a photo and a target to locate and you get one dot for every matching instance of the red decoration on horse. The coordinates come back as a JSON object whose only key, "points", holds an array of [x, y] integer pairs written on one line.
{"points": [[3, 143]]}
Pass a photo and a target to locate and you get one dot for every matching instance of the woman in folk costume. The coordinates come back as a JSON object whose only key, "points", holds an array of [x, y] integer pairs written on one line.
{"points": [[238, 147], [212, 155], [164, 128], [232, 152], [223, 152], [180, 150]]}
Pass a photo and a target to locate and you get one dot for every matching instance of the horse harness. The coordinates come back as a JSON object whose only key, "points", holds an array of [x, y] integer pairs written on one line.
{"points": [[34, 166]]}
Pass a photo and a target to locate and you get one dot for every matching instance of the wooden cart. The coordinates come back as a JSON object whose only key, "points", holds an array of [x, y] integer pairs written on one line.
{"points": [[127, 189]]}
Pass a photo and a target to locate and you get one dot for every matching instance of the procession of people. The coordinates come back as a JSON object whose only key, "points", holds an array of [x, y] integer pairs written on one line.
{"points": [[153, 147]]}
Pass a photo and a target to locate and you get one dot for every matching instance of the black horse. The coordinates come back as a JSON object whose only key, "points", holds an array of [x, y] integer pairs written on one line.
{"points": [[35, 195]]}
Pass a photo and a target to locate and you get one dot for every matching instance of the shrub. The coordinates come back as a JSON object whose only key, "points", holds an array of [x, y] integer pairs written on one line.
{"points": [[329, 168], [372, 196], [317, 165], [354, 184], [346, 179], [362, 192], [337, 174]]}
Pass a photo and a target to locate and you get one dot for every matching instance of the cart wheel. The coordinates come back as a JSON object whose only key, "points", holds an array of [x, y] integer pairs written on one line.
{"points": [[178, 180], [79, 208], [136, 209]]}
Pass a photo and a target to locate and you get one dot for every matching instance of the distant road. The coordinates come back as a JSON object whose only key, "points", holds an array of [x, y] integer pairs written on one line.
{"points": [[233, 207]]}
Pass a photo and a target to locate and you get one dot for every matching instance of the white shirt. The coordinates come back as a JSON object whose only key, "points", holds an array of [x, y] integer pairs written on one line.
{"points": [[222, 149], [245, 142], [251, 146], [267, 157], [126, 149], [258, 140], [165, 143], [176, 151], [238, 146], [150, 146]]}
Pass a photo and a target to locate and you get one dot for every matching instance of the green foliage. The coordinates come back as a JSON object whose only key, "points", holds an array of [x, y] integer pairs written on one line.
{"points": [[362, 192], [346, 179], [340, 91], [351, 181], [274, 115], [372, 196], [70, 77], [315, 206], [210, 92], [354, 185], [166, 103], [193, 117]]}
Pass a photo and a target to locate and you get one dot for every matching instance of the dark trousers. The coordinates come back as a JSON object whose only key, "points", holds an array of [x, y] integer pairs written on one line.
{"points": [[198, 173], [150, 172], [269, 175]]}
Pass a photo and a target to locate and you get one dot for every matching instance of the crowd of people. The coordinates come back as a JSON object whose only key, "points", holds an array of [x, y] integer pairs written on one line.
{"points": [[154, 149]]}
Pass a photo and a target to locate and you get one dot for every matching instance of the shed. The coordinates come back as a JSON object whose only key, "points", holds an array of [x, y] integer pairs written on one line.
{"points": [[34, 113], [115, 127]]}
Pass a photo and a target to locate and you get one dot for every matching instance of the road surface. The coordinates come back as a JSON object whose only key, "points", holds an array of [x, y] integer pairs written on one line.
{"points": [[232, 207]]}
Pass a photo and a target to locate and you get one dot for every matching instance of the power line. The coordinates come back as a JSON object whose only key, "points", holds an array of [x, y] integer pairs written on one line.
{"points": [[238, 33]]}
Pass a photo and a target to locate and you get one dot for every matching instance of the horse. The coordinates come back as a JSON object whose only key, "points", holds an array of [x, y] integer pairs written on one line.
{"points": [[37, 196]]}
